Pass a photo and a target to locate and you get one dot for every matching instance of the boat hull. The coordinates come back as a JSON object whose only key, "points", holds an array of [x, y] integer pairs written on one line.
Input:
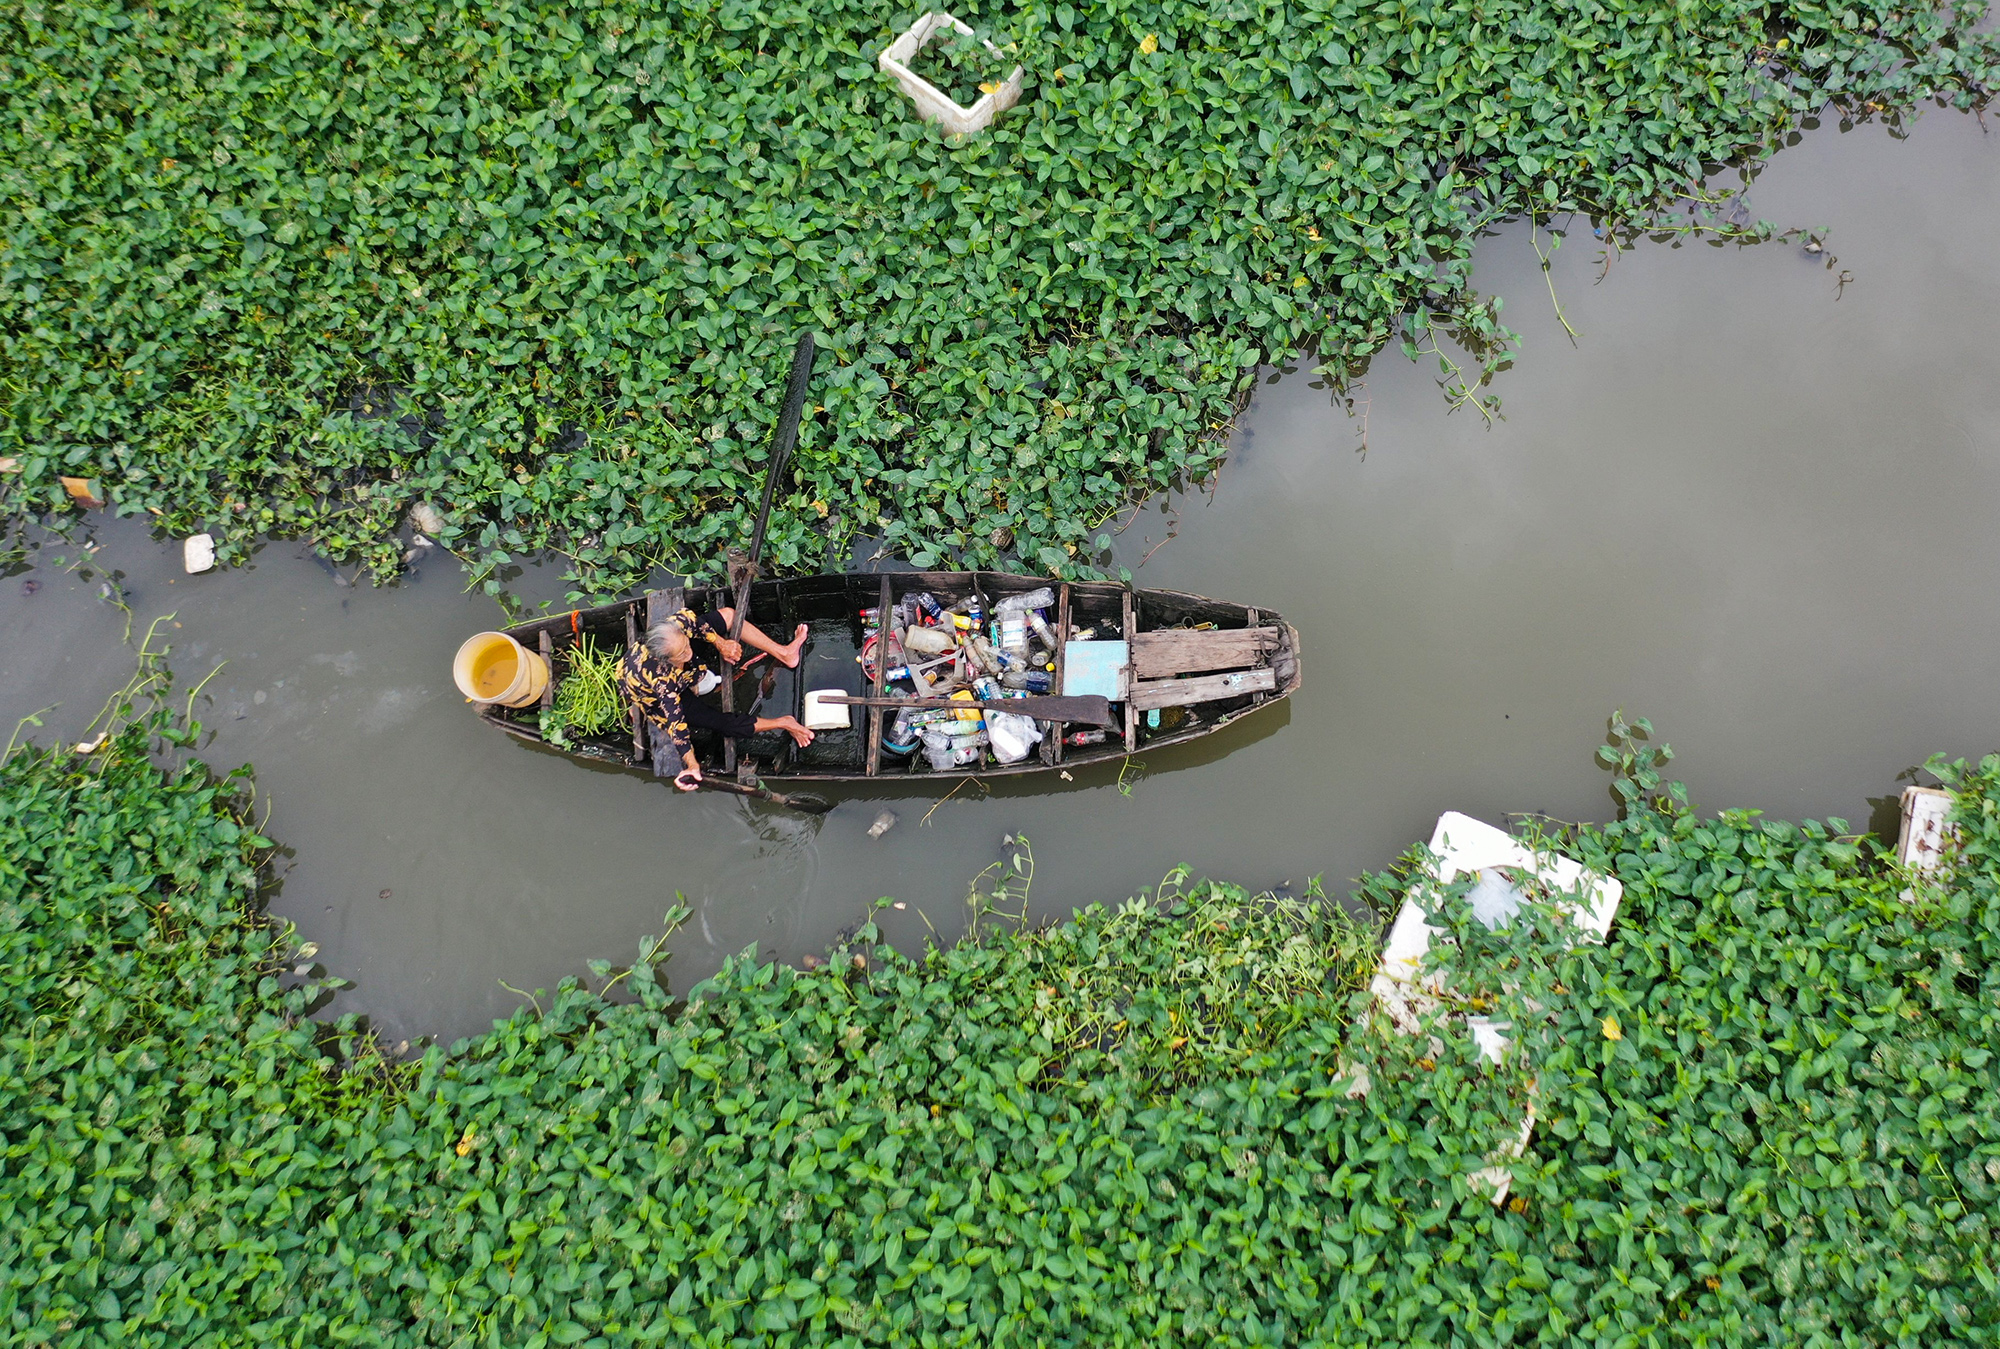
{"points": [[1196, 665]]}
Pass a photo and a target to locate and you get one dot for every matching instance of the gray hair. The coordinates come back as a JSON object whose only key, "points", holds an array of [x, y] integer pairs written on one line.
{"points": [[663, 638]]}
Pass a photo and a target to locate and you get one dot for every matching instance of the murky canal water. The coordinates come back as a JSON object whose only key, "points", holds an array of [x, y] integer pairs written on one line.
{"points": [[1756, 512]]}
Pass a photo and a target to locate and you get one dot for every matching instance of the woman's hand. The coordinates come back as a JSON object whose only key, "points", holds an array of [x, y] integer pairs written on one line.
{"points": [[731, 651], [689, 778]]}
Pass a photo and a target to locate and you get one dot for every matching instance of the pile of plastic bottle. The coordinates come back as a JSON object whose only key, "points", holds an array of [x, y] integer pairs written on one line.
{"points": [[963, 653]]}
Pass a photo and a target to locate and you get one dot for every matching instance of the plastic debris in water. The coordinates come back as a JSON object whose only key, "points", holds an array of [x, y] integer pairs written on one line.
{"points": [[84, 490], [883, 824]]}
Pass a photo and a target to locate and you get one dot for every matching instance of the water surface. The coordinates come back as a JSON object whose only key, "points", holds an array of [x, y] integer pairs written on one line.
{"points": [[1751, 503]]}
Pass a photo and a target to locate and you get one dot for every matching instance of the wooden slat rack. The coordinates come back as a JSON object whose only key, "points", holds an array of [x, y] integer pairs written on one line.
{"points": [[1179, 651]]}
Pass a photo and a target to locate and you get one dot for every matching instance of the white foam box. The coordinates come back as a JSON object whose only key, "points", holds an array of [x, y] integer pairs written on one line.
{"points": [[1926, 828], [1463, 845], [931, 102], [824, 716]]}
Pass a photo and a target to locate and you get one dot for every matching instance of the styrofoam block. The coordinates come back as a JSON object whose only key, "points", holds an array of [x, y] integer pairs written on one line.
{"points": [[198, 553], [1920, 844], [824, 716], [931, 101], [1462, 844]]}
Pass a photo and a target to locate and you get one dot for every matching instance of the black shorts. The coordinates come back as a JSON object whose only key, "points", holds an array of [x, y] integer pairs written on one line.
{"points": [[703, 716]]}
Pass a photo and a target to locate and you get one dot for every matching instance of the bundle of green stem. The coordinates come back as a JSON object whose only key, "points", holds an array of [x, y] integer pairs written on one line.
{"points": [[588, 701]]}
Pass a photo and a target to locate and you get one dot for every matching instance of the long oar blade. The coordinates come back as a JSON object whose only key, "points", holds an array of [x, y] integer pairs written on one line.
{"points": [[795, 402], [781, 454], [800, 801]]}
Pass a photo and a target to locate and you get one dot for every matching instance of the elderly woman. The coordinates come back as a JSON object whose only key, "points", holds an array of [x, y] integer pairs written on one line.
{"points": [[661, 676]]}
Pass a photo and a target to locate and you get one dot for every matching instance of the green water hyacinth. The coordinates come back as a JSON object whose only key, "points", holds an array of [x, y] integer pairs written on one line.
{"points": [[1137, 1126], [275, 267], [588, 700]]}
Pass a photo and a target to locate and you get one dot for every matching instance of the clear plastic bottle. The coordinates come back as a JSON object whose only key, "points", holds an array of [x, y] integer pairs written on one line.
{"points": [[901, 737], [984, 656], [1034, 599], [1014, 635], [946, 751]]}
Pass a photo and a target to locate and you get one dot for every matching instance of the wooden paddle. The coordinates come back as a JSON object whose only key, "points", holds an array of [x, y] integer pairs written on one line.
{"points": [[781, 455], [1093, 709], [800, 801]]}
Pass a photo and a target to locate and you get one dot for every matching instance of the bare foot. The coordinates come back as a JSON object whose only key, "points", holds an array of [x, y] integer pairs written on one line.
{"points": [[788, 656]]}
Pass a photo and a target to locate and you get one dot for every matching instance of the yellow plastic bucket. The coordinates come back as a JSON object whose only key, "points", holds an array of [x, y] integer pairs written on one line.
{"points": [[492, 667]]}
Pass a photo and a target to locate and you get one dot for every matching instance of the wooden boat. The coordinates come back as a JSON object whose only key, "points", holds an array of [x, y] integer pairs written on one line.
{"points": [[1195, 666]]}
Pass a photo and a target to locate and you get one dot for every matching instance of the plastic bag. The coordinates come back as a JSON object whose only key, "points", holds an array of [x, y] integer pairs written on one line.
{"points": [[1013, 736], [928, 641]]}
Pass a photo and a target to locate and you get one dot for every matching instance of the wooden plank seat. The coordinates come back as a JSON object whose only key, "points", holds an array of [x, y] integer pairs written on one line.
{"points": [[1179, 651], [1148, 694]]}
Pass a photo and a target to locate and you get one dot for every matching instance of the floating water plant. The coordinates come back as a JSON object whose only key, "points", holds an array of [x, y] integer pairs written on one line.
{"points": [[588, 700], [272, 269], [1769, 1104]]}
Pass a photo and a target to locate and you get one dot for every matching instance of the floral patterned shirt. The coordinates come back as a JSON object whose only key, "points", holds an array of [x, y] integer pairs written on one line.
{"points": [[659, 689]]}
